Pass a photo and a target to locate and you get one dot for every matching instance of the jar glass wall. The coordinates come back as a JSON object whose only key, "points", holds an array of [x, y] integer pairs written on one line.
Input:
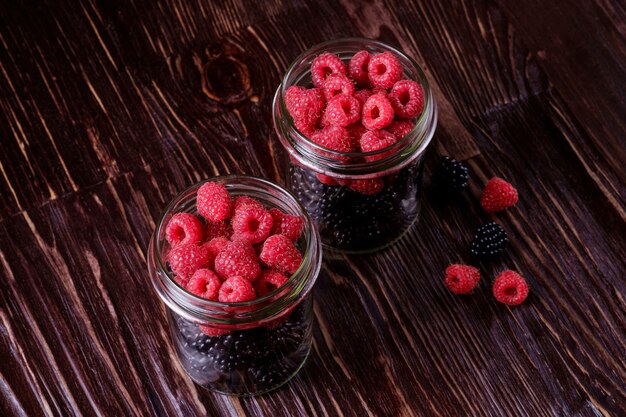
{"points": [[360, 201], [245, 348]]}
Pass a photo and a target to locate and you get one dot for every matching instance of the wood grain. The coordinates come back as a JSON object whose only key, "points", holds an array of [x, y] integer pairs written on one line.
{"points": [[109, 108]]}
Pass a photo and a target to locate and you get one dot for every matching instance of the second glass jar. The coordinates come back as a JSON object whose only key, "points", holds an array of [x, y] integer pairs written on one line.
{"points": [[358, 204]]}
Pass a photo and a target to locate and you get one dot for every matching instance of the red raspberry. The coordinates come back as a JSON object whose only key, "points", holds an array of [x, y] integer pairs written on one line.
{"points": [[337, 84], [304, 106], [220, 229], [342, 110], [377, 112], [237, 258], [204, 283], [251, 223], [384, 70], [357, 68], [400, 128], [323, 65], [326, 179], [182, 281], [213, 202], [362, 96], [333, 137], [213, 247], [236, 290], [407, 99], [269, 281], [368, 187], [212, 331], [279, 252], [186, 259], [286, 224], [461, 279], [245, 200], [374, 140], [183, 228], [498, 195], [356, 130], [510, 288]]}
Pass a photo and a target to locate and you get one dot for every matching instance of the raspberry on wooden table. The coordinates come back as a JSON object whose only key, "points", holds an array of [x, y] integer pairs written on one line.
{"points": [[204, 283], [498, 195], [407, 99], [323, 65], [251, 223], [184, 228], [337, 84], [341, 110], [279, 252], [384, 70], [377, 112], [374, 140], [461, 279], [238, 258], [286, 224], [213, 202], [510, 288], [357, 68], [269, 281], [236, 290], [186, 259]]}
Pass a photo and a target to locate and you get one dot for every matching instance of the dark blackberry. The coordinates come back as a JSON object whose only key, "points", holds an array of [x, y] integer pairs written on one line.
{"points": [[489, 241], [238, 350], [193, 338], [271, 374], [286, 339], [451, 176]]}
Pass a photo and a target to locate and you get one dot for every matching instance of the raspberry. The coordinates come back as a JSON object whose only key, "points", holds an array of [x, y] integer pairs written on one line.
{"points": [[368, 187], [357, 68], [183, 228], [323, 65], [286, 224], [461, 279], [186, 259], [204, 283], [213, 202], [304, 106], [220, 229], [326, 179], [269, 281], [362, 96], [251, 223], [245, 200], [213, 247], [337, 84], [212, 331], [407, 99], [342, 110], [489, 241], [374, 140], [451, 176], [377, 112], [237, 258], [236, 290], [400, 128], [279, 252], [510, 288], [332, 137], [355, 130], [384, 70], [498, 195]]}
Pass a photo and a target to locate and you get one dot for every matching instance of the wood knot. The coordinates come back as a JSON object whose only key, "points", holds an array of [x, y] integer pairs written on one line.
{"points": [[226, 77]]}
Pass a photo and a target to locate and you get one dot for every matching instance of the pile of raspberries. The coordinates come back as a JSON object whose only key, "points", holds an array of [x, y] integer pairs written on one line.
{"points": [[509, 287], [365, 106], [236, 249]]}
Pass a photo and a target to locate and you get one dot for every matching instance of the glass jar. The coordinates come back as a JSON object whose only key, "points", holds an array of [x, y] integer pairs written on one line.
{"points": [[325, 181], [245, 348]]}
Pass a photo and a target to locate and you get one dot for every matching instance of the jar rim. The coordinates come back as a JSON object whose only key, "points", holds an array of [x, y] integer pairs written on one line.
{"points": [[400, 153], [194, 307]]}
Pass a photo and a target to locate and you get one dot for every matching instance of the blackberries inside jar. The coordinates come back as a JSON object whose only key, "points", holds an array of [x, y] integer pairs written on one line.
{"points": [[355, 117]]}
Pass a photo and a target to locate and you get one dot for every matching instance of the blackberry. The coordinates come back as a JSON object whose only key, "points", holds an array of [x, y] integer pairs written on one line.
{"points": [[451, 176], [489, 241], [239, 349], [193, 338], [286, 339], [270, 375]]}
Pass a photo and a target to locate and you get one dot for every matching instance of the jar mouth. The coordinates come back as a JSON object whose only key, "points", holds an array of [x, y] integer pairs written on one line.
{"points": [[262, 308], [342, 163]]}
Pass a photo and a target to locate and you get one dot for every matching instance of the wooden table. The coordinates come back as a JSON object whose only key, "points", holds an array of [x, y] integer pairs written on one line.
{"points": [[109, 108]]}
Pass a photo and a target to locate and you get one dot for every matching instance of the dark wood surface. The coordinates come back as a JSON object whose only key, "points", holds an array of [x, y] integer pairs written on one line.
{"points": [[109, 108]]}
